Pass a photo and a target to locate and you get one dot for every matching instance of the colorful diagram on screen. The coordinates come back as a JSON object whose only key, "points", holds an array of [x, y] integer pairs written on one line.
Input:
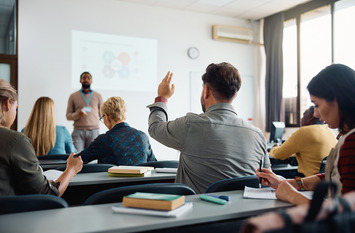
{"points": [[115, 62]]}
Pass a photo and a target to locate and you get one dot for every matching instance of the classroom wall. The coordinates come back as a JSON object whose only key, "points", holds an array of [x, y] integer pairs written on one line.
{"points": [[45, 28]]}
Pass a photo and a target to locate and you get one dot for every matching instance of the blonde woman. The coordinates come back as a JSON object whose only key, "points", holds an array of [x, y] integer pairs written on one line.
{"points": [[19, 171], [46, 137], [121, 144]]}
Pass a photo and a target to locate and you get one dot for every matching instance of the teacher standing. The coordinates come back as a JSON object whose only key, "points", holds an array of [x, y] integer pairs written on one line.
{"points": [[84, 109]]}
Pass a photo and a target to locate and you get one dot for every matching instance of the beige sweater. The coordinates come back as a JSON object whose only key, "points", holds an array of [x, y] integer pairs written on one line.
{"points": [[76, 101]]}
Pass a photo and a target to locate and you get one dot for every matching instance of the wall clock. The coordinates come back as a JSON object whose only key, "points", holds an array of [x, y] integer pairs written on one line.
{"points": [[193, 52]]}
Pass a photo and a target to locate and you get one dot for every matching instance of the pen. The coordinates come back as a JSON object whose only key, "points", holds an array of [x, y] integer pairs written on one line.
{"points": [[223, 197], [78, 154], [212, 199], [261, 169]]}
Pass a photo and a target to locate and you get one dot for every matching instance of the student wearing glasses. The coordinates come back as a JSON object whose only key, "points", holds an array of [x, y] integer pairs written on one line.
{"points": [[121, 144], [19, 168], [47, 138]]}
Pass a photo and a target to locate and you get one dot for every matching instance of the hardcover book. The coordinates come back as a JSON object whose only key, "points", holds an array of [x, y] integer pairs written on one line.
{"points": [[129, 169], [145, 174], [155, 201]]}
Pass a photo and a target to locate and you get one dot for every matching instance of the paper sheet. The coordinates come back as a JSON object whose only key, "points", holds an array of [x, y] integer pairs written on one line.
{"points": [[166, 170], [267, 193], [263, 193], [52, 174]]}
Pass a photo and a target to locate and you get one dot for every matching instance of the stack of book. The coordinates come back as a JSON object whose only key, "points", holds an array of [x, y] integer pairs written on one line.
{"points": [[167, 205], [125, 171]]}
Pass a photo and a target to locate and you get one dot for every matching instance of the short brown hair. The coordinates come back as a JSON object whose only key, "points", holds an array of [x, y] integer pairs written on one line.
{"points": [[224, 80]]}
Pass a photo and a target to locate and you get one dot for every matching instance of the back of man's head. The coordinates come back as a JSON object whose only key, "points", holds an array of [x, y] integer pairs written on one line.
{"points": [[223, 79]]}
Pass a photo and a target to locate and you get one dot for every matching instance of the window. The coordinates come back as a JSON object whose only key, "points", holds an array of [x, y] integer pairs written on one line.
{"points": [[308, 48], [290, 84], [8, 44], [315, 49], [344, 33]]}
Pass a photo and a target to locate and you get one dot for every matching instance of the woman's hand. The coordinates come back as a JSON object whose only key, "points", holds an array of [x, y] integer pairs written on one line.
{"points": [[74, 164], [268, 178]]}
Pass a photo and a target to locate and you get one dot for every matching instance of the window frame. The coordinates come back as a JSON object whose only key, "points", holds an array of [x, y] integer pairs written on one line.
{"points": [[296, 13]]}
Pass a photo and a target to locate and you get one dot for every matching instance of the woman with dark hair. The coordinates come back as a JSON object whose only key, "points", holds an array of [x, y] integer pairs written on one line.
{"points": [[333, 93], [310, 144]]}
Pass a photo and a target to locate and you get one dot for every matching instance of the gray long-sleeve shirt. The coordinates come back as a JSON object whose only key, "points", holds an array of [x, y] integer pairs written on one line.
{"points": [[214, 145]]}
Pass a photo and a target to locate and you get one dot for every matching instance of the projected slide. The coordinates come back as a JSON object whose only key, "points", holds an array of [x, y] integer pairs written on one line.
{"points": [[115, 62]]}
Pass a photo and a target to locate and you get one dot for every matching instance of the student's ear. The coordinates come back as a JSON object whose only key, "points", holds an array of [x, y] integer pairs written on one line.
{"points": [[7, 104], [207, 92]]}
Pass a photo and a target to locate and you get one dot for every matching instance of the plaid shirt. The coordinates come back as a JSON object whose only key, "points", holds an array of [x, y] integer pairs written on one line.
{"points": [[121, 145]]}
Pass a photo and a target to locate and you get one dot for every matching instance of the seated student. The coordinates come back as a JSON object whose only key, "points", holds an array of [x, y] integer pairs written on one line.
{"points": [[19, 168], [216, 144], [332, 92], [273, 221], [122, 144], [311, 143], [47, 138]]}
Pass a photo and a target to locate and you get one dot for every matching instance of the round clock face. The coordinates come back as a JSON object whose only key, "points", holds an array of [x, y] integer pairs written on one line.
{"points": [[193, 52]]}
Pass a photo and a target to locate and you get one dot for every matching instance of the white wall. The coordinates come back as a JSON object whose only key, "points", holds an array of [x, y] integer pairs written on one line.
{"points": [[45, 52]]}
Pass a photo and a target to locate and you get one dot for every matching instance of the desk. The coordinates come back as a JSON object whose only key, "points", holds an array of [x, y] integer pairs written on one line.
{"points": [[284, 167], [101, 218], [51, 163], [83, 185]]}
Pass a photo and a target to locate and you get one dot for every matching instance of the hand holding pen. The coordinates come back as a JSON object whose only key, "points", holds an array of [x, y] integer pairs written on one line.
{"points": [[261, 170], [78, 154], [268, 178]]}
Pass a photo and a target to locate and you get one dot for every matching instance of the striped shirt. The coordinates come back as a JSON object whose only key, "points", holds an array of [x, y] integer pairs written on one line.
{"points": [[346, 164]]}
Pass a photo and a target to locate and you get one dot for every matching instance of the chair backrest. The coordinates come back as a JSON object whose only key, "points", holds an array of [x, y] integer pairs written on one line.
{"points": [[53, 157], [90, 168], [161, 164], [31, 202], [322, 165], [231, 184], [117, 194]]}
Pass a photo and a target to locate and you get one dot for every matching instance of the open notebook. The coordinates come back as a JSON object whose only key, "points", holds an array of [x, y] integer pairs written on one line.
{"points": [[267, 193]]}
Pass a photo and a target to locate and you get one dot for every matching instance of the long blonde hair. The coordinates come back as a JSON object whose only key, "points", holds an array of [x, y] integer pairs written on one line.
{"points": [[40, 127]]}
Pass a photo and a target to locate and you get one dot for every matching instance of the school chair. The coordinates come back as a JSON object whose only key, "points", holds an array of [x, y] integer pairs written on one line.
{"points": [[117, 194], [31, 202], [237, 183]]}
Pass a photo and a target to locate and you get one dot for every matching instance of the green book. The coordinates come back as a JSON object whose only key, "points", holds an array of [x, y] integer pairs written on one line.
{"points": [[154, 196], [156, 201]]}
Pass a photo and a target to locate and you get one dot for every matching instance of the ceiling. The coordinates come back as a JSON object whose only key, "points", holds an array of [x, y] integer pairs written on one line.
{"points": [[243, 9]]}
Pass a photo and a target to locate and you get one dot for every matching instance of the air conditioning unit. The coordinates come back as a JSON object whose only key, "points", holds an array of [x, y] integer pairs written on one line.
{"points": [[232, 33]]}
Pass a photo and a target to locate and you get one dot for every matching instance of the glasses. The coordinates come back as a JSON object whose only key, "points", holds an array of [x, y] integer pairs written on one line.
{"points": [[102, 118]]}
